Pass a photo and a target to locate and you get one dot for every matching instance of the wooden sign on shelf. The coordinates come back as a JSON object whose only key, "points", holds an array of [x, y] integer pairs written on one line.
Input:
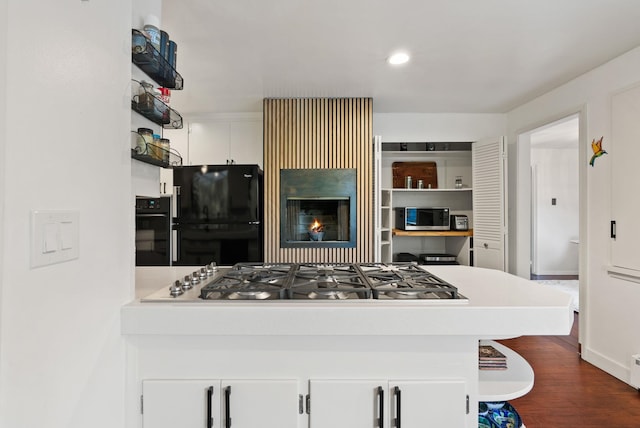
{"points": [[425, 171]]}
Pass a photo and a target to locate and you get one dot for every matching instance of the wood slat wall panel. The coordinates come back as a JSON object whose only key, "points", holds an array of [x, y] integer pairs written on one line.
{"points": [[318, 133]]}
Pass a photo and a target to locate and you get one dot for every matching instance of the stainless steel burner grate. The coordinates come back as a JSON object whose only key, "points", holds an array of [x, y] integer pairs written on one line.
{"points": [[406, 281], [339, 281], [247, 281], [335, 281]]}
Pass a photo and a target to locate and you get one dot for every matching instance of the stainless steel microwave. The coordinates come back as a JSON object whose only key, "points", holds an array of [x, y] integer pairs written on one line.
{"points": [[412, 218]]}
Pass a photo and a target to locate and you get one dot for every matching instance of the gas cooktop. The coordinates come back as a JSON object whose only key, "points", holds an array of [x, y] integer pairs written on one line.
{"points": [[310, 281]]}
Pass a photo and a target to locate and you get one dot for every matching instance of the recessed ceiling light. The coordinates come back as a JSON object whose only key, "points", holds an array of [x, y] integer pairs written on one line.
{"points": [[398, 58]]}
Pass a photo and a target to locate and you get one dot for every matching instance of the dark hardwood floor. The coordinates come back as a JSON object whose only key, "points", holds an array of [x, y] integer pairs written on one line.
{"points": [[569, 392]]}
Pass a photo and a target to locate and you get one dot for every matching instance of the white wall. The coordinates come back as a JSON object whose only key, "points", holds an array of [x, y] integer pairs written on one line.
{"points": [[609, 307], [556, 171], [3, 139], [62, 359]]}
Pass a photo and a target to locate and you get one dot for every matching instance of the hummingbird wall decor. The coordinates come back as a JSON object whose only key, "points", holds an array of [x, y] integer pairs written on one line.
{"points": [[596, 146]]}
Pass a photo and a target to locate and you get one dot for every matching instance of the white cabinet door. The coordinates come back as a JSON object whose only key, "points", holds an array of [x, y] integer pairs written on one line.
{"points": [[245, 142], [181, 403], [625, 176], [257, 403], [432, 403], [222, 142], [489, 203], [347, 403], [206, 403], [166, 182], [384, 403], [209, 143]]}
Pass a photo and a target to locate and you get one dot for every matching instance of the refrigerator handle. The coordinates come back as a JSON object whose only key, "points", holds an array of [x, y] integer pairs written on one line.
{"points": [[175, 246], [175, 201]]}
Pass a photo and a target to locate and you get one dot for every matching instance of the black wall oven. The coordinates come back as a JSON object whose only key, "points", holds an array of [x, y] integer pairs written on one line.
{"points": [[153, 231]]}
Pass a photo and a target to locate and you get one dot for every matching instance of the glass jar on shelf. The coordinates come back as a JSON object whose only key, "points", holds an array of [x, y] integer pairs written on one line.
{"points": [[145, 96], [165, 146], [145, 141]]}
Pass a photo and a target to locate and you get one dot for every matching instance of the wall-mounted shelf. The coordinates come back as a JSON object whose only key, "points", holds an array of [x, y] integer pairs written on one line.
{"points": [[400, 232], [430, 147], [153, 154], [153, 108], [174, 159], [149, 60]]}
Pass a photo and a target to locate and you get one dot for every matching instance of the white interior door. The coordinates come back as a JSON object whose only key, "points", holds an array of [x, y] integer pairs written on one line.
{"points": [[625, 128], [377, 178], [489, 162]]}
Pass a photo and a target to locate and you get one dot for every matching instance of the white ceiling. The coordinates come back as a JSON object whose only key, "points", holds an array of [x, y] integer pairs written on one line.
{"points": [[468, 56]]}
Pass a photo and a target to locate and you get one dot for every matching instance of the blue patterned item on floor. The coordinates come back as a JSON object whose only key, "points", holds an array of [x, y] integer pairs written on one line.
{"points": [[498, 415]]}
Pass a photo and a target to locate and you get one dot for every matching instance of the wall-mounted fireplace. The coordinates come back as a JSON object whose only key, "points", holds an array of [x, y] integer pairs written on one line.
{"points": [[317, 208]]}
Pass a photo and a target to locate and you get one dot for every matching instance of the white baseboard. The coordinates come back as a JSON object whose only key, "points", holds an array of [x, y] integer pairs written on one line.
{"points": [[610, 366], [558, 272]]}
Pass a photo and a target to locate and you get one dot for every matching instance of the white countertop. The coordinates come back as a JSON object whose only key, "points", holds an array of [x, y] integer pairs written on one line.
{"points": [[499, 305]]}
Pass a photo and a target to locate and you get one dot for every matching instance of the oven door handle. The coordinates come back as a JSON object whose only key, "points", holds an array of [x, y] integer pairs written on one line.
{"points": [[151, 215]]}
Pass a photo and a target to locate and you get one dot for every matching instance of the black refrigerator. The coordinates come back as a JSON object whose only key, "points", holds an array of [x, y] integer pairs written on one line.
{"points": [[219, 214]]}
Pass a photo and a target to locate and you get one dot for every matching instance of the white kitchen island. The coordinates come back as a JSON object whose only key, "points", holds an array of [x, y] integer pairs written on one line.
{"points": [[331, 364]]}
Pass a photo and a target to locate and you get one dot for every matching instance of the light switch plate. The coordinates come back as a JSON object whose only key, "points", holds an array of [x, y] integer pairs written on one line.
{"points": [[54, 237]]}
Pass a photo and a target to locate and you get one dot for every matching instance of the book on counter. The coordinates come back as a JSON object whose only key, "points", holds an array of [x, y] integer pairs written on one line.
{"points": [[491, 359]]}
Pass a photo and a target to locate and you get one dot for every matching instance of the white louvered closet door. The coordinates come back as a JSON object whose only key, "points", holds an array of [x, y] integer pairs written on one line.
{"points": [[489, 202]]}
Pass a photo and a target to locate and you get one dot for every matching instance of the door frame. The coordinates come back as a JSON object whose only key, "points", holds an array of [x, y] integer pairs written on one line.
{"points": [[522, 233]]}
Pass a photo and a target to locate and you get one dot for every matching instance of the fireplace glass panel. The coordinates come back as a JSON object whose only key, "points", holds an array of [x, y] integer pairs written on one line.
{"points": [[327, 196], [317, 219]]}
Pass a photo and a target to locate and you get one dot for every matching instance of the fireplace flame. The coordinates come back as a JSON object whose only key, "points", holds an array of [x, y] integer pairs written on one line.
{"points": [[316, 226]]}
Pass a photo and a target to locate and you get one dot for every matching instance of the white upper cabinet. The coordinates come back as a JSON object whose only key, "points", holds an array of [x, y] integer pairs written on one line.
{"points": [[489, 162], [217, 142]]}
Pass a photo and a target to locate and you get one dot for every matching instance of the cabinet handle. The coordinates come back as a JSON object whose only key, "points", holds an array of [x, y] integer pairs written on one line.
{"points": [[396, 393], [209, 405], [613, 229], [381, 407], [165, 188], [485, 245], [227, 406]]}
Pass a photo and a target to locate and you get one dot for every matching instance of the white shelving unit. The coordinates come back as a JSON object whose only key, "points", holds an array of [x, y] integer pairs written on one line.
{"points": [[503, 385], [386, 226], [450, 164]]}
